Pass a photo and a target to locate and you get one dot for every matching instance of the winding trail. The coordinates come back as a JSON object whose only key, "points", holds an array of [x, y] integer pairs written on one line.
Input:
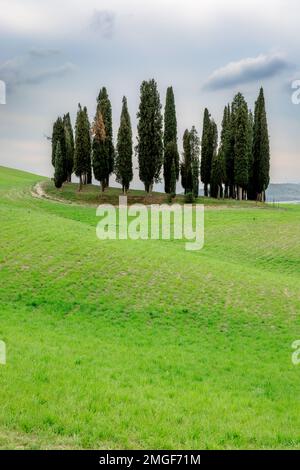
{"points": [[38, 192]]}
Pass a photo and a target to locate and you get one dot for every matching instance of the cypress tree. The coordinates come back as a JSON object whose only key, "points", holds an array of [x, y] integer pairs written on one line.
{"points": [[251, 186], [186, 166], [195, 153], [100, 150], [150, 145], [88, 144], [173, 178], [206, 151], [58, 135], [69, 140], [229, 156], [171, 155], [241, 144], [59, 169], [261, 149], [213, 142], [225, 151], [123, 164], [218, 174], [82, 146], [170, 135], [104, 106]]}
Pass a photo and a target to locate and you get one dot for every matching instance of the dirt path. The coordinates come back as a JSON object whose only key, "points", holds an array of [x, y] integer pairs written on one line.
{"points": [[39, 192]]}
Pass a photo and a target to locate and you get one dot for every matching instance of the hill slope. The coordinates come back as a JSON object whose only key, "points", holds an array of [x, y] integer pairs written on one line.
{"points": [[141, 344]]}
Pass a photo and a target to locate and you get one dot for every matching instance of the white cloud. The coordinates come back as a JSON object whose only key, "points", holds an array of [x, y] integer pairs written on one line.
{"points": [[247, 70], [27, 70]]}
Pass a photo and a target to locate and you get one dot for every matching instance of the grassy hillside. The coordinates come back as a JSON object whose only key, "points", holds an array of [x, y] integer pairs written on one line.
{"points": [[141, 344]]}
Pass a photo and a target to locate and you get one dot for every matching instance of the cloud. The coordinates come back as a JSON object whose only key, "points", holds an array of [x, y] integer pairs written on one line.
{"points": [[44, 75], [103, 22], [247, 70], [43, 52], [28, 70]]}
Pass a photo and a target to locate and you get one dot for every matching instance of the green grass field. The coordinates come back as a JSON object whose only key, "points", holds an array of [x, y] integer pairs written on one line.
{"points": [[141, 344]]}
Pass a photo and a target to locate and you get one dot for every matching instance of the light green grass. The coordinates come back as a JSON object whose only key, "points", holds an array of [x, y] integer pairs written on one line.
{"points": [[141, 344]]}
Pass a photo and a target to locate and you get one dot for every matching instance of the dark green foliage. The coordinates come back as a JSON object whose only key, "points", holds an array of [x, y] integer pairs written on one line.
{"points": [[227, 151], [82, 154], [189, 198], [190, 163], [69, 141], [251, 185], [100, 150], [123, 164], [170, 135], [195, 154], [186, 165], [208, 144], [261, 149], [58, 135], [104, 106], [150, 146], [88, 143], [173, 179], [171, 157], [59, 169], [242, 144], [218, 175]]}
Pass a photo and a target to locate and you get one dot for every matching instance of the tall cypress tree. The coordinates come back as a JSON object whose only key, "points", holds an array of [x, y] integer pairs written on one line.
{"points": [[226, 151], [123, 163], [69, 141], [104, 106], [171, 156], [173, 177], [82, 146], [218, 174], [59, 169], [195, 154], [170, 135], [241, 144], [88, 144], [186, 165], [229, 156], [58, 135], [206, 151], [150, 145], [251, 185], [261, 148], [100, 150]]}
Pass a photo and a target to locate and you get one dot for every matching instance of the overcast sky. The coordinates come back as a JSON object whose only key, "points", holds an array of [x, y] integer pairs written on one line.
{"points": [[57, 53]]}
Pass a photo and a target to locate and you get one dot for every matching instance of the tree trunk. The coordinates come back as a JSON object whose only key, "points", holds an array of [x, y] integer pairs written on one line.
{"points": [[239, 193], [205, 190], [80, 182]]}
